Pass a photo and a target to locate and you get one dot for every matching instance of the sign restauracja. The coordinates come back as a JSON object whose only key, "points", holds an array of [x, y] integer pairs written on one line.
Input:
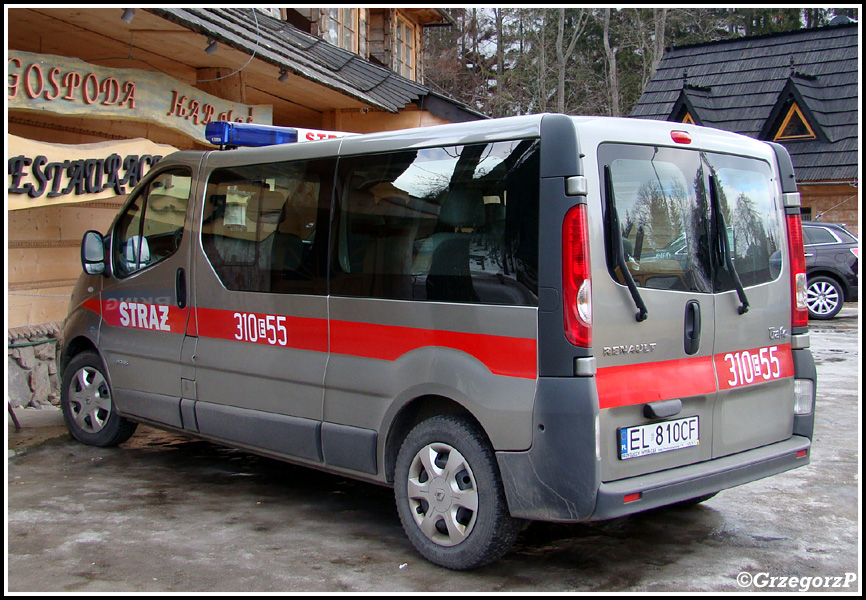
{"points": [[43, 174]]}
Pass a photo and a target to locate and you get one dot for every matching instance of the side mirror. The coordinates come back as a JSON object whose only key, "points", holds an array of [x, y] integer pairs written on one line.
{"points": [[93, 253]]}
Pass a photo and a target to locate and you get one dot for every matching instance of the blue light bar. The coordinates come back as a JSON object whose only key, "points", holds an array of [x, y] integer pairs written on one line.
{"points": [[226, 133]]}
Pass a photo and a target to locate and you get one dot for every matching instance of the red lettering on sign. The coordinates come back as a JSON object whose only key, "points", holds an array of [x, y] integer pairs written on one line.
{"points": [[12, 86], [52, 79], [70, 85], [208, 111], [177, 105], [129, 91], [193, 111], [313, 136], [110, 89], [38, 70], [91, 84], [72, 81]]}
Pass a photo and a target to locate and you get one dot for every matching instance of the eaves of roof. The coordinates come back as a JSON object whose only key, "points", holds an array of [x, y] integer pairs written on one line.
{"points": [[302, 54]]}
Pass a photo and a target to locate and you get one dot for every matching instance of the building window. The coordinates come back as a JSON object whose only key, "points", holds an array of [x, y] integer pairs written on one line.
{"points": [[404, 49], [342, 28], [794, 127], [688, 118]]}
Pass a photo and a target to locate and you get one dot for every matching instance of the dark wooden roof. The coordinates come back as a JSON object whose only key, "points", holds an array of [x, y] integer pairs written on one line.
{"points": [[745, 85], [308, 56]]}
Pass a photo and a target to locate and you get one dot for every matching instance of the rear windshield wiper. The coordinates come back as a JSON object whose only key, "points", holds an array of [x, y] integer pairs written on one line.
{"points": [[722, 233], [615, 239]]}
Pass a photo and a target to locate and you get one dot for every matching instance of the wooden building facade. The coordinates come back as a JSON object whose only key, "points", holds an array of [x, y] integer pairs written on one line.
{"points": [[97, 96]]}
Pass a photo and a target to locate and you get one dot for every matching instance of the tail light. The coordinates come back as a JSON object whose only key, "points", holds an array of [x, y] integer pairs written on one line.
{"points": [[797, 255], [576, 281]]}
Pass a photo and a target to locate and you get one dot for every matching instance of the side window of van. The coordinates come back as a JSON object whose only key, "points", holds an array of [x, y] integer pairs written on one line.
{"points": [[151, 227], [450, 224], [260, 225]]}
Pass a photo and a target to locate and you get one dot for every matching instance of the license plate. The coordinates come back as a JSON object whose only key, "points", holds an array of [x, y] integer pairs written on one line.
{"points": [[643, 440]]}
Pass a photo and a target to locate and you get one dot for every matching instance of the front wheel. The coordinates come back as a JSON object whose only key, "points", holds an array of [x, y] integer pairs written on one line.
{"points": [[449, 495], [85, 398]]}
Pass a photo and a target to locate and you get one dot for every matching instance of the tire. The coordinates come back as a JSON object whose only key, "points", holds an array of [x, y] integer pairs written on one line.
{"points": [[449, 495], [85, 399], [824, 297]]}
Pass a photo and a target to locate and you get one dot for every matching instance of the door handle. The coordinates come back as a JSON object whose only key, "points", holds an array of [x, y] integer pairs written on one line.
{"points": [[180, 288], [692, 334]]}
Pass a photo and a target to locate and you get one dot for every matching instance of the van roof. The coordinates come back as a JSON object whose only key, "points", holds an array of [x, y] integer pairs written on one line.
{"points": [[592, 130]]}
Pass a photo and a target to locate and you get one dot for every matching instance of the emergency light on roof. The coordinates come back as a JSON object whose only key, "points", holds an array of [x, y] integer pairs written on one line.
{"points": [[226, 133]]}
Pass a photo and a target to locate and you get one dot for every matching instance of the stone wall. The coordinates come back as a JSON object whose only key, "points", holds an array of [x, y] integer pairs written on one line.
{"points": [[32, 360]]}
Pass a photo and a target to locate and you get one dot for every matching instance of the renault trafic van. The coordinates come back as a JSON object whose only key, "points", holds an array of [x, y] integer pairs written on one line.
{"points": [[534, 318]]}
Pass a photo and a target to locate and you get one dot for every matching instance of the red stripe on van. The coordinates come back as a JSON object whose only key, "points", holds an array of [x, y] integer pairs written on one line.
{"points": [[753, 366], [649, 382], [509, 356], [140, 315], [93, 304], [302, 333]]}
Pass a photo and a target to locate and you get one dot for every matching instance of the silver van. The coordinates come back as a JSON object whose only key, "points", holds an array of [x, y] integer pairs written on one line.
{"points": [[533, 318]]}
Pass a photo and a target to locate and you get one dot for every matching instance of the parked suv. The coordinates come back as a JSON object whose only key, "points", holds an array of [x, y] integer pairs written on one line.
{"points": [[832, 254]]}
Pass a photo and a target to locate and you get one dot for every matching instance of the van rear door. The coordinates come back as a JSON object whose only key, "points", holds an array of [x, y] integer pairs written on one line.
{"points": [[752, 355], [692, 319], [653, 313]]}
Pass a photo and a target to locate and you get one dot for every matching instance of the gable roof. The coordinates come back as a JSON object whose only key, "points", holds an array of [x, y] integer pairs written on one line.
{"points": [[746, 85], [286, 46]]}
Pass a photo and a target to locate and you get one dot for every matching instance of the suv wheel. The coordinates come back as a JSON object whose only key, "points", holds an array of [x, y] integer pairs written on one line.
{"points": [[824, 297]]}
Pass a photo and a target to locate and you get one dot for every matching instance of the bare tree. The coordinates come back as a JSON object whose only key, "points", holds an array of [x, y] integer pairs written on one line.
{"points": [[562, 56], [527, 59], [610, 54]]}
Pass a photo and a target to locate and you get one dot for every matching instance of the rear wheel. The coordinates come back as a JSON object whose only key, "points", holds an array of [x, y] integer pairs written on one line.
{"points": [[85, 399], [449, 495], [824, 297]]}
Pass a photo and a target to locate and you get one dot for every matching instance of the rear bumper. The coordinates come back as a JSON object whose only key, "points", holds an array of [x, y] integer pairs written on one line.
{"points": [[691, 481], [558, 478]]}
